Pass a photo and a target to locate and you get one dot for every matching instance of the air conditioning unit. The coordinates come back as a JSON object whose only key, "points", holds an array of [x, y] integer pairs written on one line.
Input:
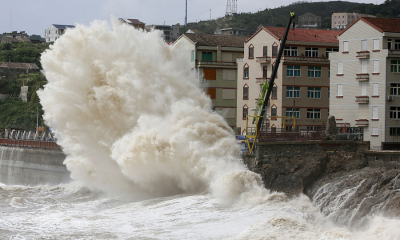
{"points": [[390, 98]]}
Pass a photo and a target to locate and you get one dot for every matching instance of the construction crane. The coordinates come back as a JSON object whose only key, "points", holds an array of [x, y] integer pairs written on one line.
{"points": [[261, 105]]}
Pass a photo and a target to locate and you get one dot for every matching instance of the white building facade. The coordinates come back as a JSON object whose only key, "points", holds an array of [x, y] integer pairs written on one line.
{"points": [[55, 31], [365, 80]]}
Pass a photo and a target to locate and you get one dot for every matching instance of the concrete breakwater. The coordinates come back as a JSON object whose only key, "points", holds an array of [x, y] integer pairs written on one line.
{"points": [[24, 166]]}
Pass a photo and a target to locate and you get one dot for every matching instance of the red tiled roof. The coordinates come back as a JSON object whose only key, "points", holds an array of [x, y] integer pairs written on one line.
{"points": [[303, 35], [15, 65], [216, 40], [380, 24], [135, 21]]}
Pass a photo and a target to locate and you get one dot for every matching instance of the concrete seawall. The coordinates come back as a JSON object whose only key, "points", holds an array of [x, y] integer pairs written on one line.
{"points": [[24, 166]]}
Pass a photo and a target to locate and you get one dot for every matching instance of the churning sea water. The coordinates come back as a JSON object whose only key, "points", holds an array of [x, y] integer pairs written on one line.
{"points": [[149, 157]]}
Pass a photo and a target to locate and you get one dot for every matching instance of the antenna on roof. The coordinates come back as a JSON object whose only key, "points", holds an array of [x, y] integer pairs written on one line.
{"points": [[186, 14]]}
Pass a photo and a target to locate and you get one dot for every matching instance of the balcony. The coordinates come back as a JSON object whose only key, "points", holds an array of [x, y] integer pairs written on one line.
{"points": [[302, 59], [238, 60], [363, 54], [362, 99], [260, 80], [263, 60], [217, 64], [362, 77], [362, 123], [394, 53]]}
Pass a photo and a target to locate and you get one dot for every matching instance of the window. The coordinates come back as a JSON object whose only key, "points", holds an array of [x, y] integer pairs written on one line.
{"points": [[246, 71], [293, 71], [340, 68], [211, 92], [363, 89], [329, 50], [314, 113], [292, 92], [314, 92], [192, 56], [209, 74], [314, 71], [290, 51], [274, 50], [293, 112], [389, 43], [340, 90], [376, 66], [345, 46], [363, 45], [397, 44], [395, 89], [229, 94], [274, 111], [245, 111], [375, 89], [395, 131], [395, 112], [206, 56], [228, 75], [375, 131], [229, 113], [311, 52], [329, 92], [374, 112], [251, 51], [395, 66], [274, 93], [364, 66], [265, 73], [265, 51], [245, 92], [376, 44]]}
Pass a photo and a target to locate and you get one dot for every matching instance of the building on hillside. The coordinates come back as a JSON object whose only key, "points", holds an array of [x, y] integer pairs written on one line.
{"points": [[342, 20], [193, 31], [170, 33], [365, 80], [301, 87], [309, 20], [55, 31], [230, 32], [133, 22], [214, 58], [15, 37], [8, 70], [36, 39]]}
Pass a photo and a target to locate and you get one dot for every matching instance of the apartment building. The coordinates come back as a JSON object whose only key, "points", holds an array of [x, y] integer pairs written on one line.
{"points": [[55, 31], [170, 33], [309, 20], [214, 58], [365, 80], [342, 20], [301, 88]]}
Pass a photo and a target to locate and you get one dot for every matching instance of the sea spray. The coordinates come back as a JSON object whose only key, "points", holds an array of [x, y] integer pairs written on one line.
{"points": [[129, 113]]}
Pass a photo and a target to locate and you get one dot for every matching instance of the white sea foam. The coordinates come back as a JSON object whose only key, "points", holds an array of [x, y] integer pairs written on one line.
{"points": [[128, 111]]}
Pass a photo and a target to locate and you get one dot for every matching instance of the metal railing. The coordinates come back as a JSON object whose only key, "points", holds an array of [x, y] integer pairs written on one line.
{"points": [[281, 134], [217, 63], [29, 143], [352, 133], [309, 59]]}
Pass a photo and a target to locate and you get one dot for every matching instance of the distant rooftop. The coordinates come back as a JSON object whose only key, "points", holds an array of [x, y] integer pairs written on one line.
{"points": [[132, 21], [380, 24], [216, 40], [302, 35], [63, 26], [15, 65]]}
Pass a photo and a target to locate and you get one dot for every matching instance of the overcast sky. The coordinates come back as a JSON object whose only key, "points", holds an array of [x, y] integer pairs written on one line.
{"points": [[34, 16]]}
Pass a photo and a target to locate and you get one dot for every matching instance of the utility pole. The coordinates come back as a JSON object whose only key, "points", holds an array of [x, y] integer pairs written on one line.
{"points": [[210, 14], [37, 118], [186, 14]]}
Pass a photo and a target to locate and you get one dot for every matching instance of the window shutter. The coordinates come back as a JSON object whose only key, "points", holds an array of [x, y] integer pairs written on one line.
{"points": [[340, 68], [340, 89], [364, 45], [228, 94], [227, 57], [375, 131], [375, 89], [229, 75], [376, 66], [363, 89], [212, 92], [210, 74], [345, 46], [229, 112], [374, 112], [364, 66], [376, 44]]}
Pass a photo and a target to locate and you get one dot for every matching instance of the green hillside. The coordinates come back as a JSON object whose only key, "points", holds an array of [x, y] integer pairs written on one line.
{"points": [[279, 16]]}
